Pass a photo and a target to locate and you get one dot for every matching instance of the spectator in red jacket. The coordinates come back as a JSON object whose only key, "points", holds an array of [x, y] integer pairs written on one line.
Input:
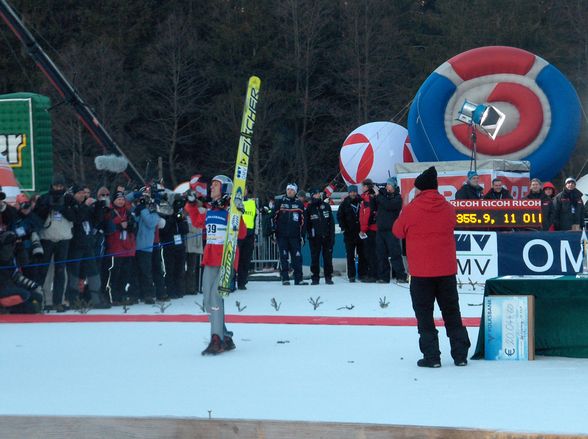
{"points": [[368, 229], [122, 244], [427, 224]]}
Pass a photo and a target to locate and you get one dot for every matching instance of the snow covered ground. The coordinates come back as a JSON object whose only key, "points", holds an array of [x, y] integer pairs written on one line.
{"points": [[365, 374]]}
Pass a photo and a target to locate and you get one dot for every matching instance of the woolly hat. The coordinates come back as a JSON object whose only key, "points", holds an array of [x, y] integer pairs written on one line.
{"points": [[570, 180], [315, 190], [292, 186], [301, 193], [368, 182], [352, 188], [58, 179], [472, 174], [118, 195], [427, 180], [392, 181]]}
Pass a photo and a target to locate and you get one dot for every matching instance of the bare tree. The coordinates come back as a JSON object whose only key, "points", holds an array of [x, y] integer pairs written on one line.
{"points": [[172, 84]]}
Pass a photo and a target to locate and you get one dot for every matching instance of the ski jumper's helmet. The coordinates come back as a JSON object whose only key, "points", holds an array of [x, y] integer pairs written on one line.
{"points": [[226, 182]]}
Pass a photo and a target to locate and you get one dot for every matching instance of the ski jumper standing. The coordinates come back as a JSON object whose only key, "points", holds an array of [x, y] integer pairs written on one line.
{"points": [[217, 218], [427, 223]]}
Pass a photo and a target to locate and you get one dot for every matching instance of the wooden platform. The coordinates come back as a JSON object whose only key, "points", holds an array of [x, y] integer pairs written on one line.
{"points": [[46, 427]]}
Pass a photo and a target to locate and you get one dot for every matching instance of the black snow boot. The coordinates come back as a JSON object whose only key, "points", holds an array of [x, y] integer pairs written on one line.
{"points": [[229, 343], [428, 362]]}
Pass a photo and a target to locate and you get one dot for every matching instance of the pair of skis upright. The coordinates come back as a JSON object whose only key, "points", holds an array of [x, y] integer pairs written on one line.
{"points": [[241, 167]]}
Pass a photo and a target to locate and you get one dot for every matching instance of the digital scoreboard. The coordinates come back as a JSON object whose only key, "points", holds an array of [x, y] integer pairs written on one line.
{"points": [[505, 214]]}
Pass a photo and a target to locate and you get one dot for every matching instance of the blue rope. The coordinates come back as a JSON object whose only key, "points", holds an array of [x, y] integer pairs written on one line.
{"points": [[92, 258]]}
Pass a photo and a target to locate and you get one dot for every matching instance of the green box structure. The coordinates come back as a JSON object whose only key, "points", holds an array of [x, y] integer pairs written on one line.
{"points": [[25, 139]]}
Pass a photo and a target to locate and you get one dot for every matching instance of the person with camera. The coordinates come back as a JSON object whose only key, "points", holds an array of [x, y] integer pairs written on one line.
{"points": [[195, 211], [388, 205], [320, 230], [28, 247], [88, 214], [55, 211], [18, 294], [121, 244], [148, 220], [173, 237], [7, 213]]}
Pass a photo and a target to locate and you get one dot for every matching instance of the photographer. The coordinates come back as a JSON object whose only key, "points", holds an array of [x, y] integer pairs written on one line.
{"points": [[173, 235], [28, 245], [120, 241], [7, 213], [88, 213], [147, 219], [55, 211], [17, 293]]}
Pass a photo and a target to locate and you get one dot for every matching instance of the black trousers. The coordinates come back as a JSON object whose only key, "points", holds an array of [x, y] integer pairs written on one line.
{"points": [[157, 268], [318, 246], [77, 270], [353, 245], [174, 257], [193, 273], [119, 278], [58, 250], [423, 292], [369, 249], [290, 248], [144, 287], [388, 250], [246, 247]]}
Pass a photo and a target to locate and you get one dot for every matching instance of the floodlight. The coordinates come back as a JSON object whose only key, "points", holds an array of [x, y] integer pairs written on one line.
{"points": [[486, 117]]}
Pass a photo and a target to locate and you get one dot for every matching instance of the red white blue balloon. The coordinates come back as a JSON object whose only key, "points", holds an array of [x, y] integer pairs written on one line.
{"points": [[541, 106], [372, 151]]}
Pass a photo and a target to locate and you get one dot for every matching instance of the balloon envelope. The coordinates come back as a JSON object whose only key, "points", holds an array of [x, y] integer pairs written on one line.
{"points": [[372, 151]]}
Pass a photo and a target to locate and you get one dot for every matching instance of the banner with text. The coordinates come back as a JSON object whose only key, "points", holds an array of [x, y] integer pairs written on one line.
{"points": [[533, 253]]}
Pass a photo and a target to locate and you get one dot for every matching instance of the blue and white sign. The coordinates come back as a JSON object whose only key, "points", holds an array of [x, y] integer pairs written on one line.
{"points": [[507, 322], [538, 253], [477, 256]]}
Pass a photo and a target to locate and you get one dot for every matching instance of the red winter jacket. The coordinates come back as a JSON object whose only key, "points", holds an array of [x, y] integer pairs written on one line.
{"points": [[427, 223], [367, 222], [196, 217], [118, 242]]}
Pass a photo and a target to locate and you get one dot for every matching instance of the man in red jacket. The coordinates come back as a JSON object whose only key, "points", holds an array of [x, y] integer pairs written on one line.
{"points": [[427, 224]]}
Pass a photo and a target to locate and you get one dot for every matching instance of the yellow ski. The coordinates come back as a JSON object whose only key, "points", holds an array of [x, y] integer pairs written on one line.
{"points": [[230, 248]]}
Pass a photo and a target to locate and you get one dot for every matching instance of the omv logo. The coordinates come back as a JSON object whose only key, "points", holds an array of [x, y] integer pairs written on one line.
{"points": [[464, 241]]}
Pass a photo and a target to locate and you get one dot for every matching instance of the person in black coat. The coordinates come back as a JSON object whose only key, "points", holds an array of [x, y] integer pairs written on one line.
{"points": [[18, 294], [348, 218], [289, 223], [173, 237], [568, 207], [471, 189], [546, 203], [388, 205], [498, 192], [88, 214], [320, 230]]}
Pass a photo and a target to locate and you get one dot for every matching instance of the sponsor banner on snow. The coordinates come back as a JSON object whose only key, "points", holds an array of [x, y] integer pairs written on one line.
{"points": [[477, 256], [533, 253]]}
